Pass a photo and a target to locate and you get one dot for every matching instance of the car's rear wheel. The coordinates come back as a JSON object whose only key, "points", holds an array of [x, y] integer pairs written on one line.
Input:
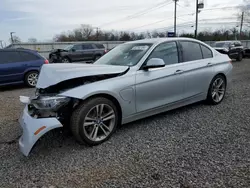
{"points": [[217, 90], [31, 78], [94, 121], [240, 56], [65, 60]]}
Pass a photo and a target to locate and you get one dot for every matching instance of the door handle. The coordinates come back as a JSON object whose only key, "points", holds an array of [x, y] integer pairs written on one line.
{"points": [[209, 64], [178, 72]]}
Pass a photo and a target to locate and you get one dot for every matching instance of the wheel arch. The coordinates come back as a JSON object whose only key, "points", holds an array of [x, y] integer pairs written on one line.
{"points": [[111, 98], [66, 56], [28, 71], [222, 74]]}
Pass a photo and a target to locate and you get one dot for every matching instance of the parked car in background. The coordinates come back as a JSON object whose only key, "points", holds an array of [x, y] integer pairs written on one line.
{"points": [[233, 49], [20, 66], [246, 52], [134, 80], [78, 52]]}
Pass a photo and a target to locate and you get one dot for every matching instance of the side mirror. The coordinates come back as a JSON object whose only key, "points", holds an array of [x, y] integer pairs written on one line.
{"points": [[73, 50], [154, 63]]}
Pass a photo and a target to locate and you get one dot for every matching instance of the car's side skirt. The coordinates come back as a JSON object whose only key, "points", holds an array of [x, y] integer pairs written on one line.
{"points": [[171, 106]]}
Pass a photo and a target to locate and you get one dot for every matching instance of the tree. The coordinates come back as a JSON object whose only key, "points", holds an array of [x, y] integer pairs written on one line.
{"points": [[86, 31], [16, 39], [32, 40]]}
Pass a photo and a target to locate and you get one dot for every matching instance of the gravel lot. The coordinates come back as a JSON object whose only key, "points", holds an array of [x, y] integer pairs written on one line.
{"points": [[195, 146]]}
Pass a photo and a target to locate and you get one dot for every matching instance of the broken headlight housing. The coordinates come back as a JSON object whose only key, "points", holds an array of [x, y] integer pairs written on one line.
{"points": [[52, 103]]}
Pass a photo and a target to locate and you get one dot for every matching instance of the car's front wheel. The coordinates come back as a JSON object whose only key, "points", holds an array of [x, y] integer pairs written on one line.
{"points": [[217, 90], [240, 56], [94, 121], [65, 60]]}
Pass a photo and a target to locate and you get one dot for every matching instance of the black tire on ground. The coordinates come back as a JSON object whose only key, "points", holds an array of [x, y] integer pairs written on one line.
{"points": [[28, 78], [240, 56], [79, 115], [65, 60], [210, 100]]}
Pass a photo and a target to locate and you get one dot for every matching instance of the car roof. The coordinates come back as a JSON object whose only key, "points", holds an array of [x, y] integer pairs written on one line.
{"points": [[159, 40], [227, 41], [17, 49]]}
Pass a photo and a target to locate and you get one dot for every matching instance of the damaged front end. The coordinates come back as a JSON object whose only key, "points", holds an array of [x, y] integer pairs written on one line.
{"points": [[48, 109], [40, 115]]}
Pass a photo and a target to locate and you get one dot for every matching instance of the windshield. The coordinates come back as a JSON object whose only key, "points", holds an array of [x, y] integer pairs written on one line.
{"points": [[68, 47], [125, 54], [221, 44]]}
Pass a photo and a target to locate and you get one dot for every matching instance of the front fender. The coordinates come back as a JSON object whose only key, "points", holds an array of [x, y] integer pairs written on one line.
{"points": [[123, 90]]}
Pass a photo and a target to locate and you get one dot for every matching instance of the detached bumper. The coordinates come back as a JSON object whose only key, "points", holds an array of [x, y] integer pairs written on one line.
{"points": [[33, 129]]}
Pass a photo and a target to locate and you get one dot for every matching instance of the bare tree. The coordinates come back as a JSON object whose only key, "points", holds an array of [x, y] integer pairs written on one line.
{"points": [[32, 40], [86, 31]]}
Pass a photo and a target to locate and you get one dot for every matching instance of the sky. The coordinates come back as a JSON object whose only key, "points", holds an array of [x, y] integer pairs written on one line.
{"points": [[43, 19]]}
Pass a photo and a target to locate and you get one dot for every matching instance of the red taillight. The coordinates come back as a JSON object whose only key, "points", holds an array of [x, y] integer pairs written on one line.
{"points": [[46, 61]]}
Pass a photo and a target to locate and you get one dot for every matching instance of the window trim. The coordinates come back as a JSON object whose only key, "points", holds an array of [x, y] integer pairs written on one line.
{"points": [[165, 42]]}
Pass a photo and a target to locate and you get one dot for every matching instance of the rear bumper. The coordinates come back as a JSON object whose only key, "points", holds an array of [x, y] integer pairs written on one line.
{"points": [[33, 129]]}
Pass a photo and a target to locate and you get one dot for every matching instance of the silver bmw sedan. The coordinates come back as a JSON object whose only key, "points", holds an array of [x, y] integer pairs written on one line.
{"points": [[132, 81]]}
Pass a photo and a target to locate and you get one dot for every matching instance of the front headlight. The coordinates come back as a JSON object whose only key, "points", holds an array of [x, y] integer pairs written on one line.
{"points": [[49, 103]]}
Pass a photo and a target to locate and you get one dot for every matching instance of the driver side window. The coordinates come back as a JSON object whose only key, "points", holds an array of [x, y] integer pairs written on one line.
{"points": [[77, 47], [167, 52]]}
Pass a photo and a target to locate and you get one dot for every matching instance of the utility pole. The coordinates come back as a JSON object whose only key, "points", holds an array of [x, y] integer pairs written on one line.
{"points": [[196, 22], [199, 5], [11, 36], [175, 3], [241, 24], [97, 32]]}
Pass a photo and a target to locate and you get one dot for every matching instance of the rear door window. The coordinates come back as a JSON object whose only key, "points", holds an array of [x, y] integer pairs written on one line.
{"points": [[206, 52], [100, 46], [10, 57], [27, 56], [191, 51], [87, 46]]}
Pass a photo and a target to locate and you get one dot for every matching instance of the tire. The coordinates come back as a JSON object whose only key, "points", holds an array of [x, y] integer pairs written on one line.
{"points": [[65, 60], [31, 78], [240, 56], [216, 93], [85, 114]]}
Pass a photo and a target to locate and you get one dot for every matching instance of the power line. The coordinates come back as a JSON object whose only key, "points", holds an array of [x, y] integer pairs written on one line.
{"points": [[158, 21], [157, 6]]}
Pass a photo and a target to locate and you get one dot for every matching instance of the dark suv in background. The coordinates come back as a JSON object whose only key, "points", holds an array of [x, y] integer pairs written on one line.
{"points": [[233, 49], [78, 52], [20, 66]]}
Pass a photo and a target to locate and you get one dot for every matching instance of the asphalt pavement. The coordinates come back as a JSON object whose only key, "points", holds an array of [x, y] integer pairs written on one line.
{"points": [[194, 146]]}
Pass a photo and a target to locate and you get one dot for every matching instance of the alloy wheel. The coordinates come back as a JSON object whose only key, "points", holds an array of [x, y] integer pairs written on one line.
{"points": [[99, 122], [218, 90], [65, 60], [32, 79]]}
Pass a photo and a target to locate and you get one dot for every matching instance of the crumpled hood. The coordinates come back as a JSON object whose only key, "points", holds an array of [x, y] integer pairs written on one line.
{"points": [[52, 74]]}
